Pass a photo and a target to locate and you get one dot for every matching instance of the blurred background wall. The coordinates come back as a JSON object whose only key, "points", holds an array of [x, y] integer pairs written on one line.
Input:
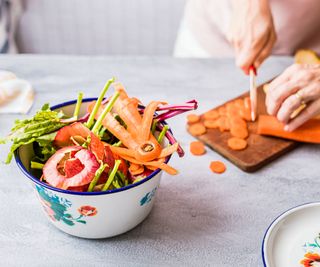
{"points": [[135, 27]]}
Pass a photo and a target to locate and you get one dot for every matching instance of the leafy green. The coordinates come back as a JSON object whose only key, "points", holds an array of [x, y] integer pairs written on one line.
{"points": [[40, 128]]}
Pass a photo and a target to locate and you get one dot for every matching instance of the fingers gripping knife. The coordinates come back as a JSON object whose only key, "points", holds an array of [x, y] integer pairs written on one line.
{"points": [[253, 92]]}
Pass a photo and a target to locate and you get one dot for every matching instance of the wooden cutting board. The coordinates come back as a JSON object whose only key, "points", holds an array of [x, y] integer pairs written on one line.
{"points": [[261, 149]]}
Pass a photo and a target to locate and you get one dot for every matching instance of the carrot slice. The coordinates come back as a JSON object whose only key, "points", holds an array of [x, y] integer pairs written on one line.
{"points": [[245, 114], [239, 103], [211, 115], [193, 118], [211, 124], [197, 148], [222, 111], [308, 132], [237, 143], [217, 167], [239, 131], [237, 121], [224, 124], [197, 129]]}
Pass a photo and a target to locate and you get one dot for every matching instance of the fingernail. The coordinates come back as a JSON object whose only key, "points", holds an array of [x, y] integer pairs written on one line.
{"points": [[287, 128]]}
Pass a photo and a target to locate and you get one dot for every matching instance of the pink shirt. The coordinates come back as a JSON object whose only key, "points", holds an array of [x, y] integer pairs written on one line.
{"points": [[297, 23]]}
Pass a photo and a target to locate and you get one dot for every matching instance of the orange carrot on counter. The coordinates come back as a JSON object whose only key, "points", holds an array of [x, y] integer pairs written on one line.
{"points": [[308, 132], [197, 148], [217, 167]]}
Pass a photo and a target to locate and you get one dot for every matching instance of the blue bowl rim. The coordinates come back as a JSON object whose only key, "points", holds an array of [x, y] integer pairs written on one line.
{"points": [[274, 221], [37, 181]]}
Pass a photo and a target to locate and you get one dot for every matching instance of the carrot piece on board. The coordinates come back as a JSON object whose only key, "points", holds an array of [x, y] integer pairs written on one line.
{"points": [[233, 110], [245, 114], [237, 143], [197, 129], [211, 115], [238, 127], [239, 131], [197, 148], [217, 167], [193, 118], [224, 124], [211, 124], [247, 103], [308, 132], [237, 121], [239, 103], [222, 111]]}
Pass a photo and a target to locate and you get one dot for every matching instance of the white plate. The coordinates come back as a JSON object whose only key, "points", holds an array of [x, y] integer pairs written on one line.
{"points": [[292, 237]]}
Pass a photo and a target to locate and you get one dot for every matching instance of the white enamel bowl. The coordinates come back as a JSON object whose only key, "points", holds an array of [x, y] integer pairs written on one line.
{"points": [[293, 238], [92, 214]]}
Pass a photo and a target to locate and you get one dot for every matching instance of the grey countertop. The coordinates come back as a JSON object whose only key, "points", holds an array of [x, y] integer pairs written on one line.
{"points": [[199, 218]]}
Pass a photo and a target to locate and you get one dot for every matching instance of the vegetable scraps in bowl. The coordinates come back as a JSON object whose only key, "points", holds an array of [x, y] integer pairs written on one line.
{"points": [[117, 143]]}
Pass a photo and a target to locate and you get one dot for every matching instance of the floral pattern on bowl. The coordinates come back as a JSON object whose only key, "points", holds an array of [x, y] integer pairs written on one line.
{"points": [[312, 253], [148, 197], [57, 208]]}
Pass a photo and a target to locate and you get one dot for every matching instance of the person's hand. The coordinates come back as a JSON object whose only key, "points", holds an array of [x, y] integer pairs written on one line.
{"points": [[296, 85], [251, 32]]}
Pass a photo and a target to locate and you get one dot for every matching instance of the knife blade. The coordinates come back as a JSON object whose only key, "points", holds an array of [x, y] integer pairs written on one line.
{"points": [[253, 92]]}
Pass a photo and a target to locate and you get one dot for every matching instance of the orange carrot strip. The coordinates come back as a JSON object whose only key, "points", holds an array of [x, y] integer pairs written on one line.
{"points": [[217, 167], [136, 169], [121, 151], [147, 120], [211, 115], [169, 150], [308, 132], [156, 164], [197, 129], [134, 166], [193, 118], [127, 109], [115, 128], [237, 144], [197, 148]]}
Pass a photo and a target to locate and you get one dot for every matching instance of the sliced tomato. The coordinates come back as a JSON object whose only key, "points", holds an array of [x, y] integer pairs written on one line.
{"points": [[108, 158], [63, 136], [96, 146], [72, 167]]}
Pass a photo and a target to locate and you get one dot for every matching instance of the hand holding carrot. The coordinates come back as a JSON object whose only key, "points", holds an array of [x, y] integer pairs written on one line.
{"points": [[252, 32], [297, 85]]}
